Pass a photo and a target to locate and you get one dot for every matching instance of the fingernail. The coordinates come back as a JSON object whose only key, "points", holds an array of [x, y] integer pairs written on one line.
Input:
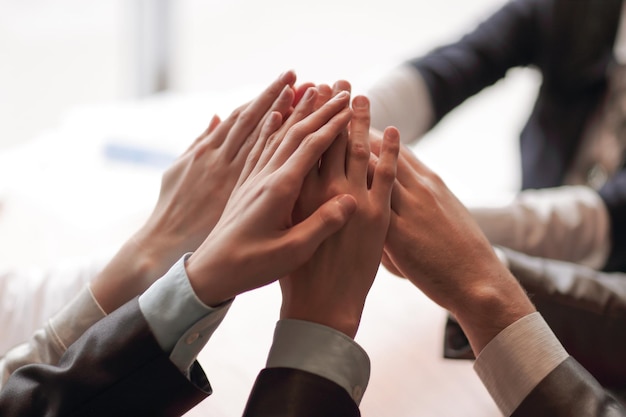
{"points": [[310, 92], [286, 76], [348, 203], [359, 102], [342, 95]]}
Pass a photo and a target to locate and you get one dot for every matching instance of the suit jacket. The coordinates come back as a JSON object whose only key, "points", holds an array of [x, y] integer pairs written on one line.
{"points": [[585, 308], [118, 369], [571, 43]]}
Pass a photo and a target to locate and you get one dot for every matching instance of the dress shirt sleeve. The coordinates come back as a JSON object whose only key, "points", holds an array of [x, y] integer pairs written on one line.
{"points": [[517, 360], [569, 223], [401, 99], [181, 323], [323, 351], [49, 343]]}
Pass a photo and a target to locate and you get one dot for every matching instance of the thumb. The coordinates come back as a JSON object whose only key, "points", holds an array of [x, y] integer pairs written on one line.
{"points": [[325, 221]]}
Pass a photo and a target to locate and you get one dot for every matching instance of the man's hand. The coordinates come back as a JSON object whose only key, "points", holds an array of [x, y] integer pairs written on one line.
{"points": [[194, 191], [255, 241], [434, 242], [331, 287]]}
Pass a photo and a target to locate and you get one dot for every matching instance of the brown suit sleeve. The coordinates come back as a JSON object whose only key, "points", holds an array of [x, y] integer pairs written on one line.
{"points": [[116, 368], [569, 391], [586, 309], [286, 392]]}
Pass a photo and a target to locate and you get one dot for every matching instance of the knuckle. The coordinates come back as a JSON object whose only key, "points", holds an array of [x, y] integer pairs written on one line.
{"points": [[359, 151], [386, 173], [246, 117]]}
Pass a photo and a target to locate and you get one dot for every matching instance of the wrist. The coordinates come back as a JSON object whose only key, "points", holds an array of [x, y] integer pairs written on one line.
{"points": [[212, 292], [130, 272], [490, 307], [338, 319]]}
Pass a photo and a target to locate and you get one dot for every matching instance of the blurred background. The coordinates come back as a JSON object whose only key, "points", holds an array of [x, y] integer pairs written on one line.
{"points": [[56, 55], [98, 97]]}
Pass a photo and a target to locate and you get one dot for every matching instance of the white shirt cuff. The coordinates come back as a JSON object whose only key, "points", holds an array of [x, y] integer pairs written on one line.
{"points": [[180, 322], [517, 360], [401, 99], [323, 351]]}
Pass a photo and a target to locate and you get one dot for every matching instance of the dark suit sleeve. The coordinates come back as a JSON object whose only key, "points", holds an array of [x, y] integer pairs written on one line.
{"points": [[613, 194], [569, 390], [586, 309], [286, 392], [116, 368], [459, 70]]}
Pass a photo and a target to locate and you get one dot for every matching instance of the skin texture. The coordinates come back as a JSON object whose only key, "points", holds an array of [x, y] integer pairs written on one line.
{"points": [[434, 242], [331, 287], [256, 240], [194, 192]]}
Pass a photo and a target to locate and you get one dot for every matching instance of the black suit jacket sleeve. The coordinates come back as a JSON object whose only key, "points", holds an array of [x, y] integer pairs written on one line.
{"points": [[613, 194], [508, 39], [570, 42], [116, 368], [286, 392], [569, 391]]}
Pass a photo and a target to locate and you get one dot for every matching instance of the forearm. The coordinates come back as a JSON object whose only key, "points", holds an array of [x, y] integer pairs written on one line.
{"points": [[143, 259], [565, 223], [49, 343], [401, 99]]}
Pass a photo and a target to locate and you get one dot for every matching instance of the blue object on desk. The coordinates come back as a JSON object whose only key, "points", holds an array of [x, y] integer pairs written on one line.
{"points": [[138, 155]]}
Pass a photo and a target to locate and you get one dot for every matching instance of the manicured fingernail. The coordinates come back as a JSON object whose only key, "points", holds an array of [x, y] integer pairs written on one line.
{"points": [[348, 203], [359, 102]]}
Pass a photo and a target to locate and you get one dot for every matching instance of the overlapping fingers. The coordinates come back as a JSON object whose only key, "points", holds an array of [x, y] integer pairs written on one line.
{"points": [[309, 139], [278, 96], [267, 144]]}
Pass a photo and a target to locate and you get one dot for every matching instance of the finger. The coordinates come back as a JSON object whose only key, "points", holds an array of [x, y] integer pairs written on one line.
{"points": [[358, 144], [215, 121], [281, 106], [396, 198], [249, 117], [325, 93], [272, 143], [312, 137], [341, 85], [300, 91], [333, 163], [307, 235], [385, 171], [270, 126]]}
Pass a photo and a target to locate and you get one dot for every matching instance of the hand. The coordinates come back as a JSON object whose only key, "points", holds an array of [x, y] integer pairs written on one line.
{"points": [[194, 191], [332, 286], [255, 241], [434, 242]]}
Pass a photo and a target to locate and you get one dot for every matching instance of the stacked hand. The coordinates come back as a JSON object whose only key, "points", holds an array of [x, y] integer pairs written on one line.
{"points": [[256, 240], [331, 287], [194, 191], [434, 242]]}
